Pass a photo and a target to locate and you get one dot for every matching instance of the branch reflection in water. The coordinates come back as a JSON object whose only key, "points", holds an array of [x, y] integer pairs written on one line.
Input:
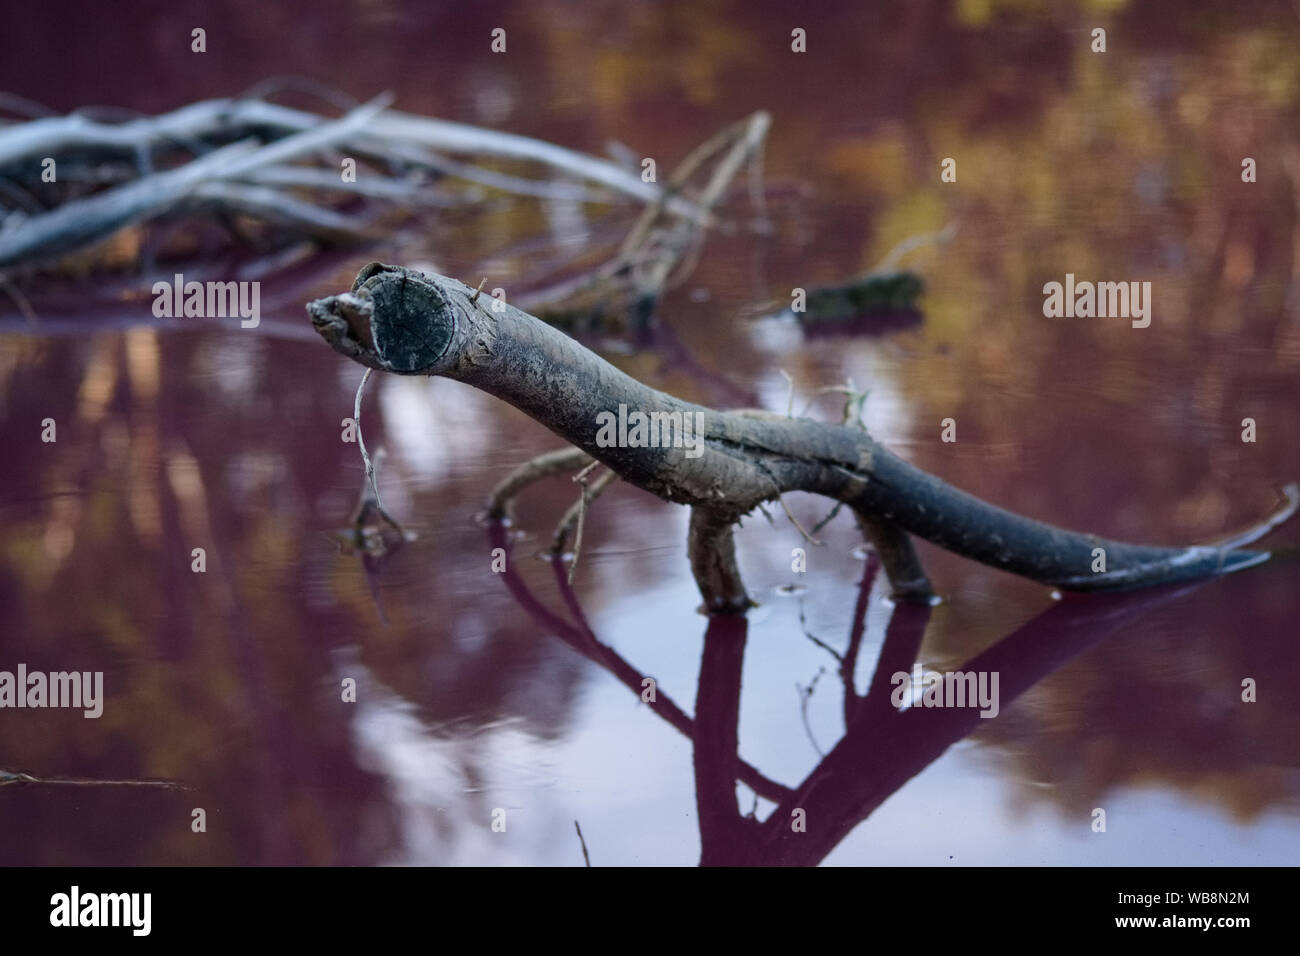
{"points": [[883, 746]]}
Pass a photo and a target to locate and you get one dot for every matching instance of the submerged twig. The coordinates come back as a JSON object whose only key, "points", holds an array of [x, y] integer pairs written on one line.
{"points": [[575, 517], [371, 473], [361, 442], [9, 778], [585, 856]]}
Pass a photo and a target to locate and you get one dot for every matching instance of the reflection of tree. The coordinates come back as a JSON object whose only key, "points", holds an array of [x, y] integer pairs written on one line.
{"points": [[882, 747], [578, 635]]}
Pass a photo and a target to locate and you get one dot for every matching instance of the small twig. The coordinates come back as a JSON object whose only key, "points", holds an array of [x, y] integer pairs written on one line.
{"points": [[571, 517], [271, 86], [795, 521], [803, 624], [13, 103], [805, 694], [895, 255], [588, 495], [828, 519], [577, 537], [585, 856], [9, 777], [372, 184], [365, 457], [20, 300], [789, 403], [756, 193], [853, 406], [659, 244], [854, 400], [275, 207], [518, 185], [361, 442], [1284, 512], [853, 403]]}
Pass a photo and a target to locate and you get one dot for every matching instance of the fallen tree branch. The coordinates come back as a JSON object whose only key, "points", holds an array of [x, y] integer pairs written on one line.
{"points": [[52, 136], [81, 222], [410, 323], [543, 466], [276, 169], [572, 519], [660, 242]]}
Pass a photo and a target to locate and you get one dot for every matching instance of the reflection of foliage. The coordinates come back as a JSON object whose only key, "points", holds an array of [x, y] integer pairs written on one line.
{"points": [[1163, 708], [219, 680]]}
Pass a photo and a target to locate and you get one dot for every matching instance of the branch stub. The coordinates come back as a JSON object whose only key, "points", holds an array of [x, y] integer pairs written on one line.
{"points": [[412, 323]]}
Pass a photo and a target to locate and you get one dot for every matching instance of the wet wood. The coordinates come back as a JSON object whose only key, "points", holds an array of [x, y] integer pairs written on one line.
{"points": [[746, 460]]}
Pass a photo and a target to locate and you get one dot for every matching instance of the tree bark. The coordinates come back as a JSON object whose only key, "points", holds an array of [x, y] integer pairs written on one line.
{"points": [[412, 323]]}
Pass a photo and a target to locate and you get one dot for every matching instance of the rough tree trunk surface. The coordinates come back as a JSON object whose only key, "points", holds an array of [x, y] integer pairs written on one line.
{"points": [[411, 323]]}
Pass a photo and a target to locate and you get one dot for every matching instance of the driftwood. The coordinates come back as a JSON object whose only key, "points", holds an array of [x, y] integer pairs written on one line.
{"points": [[632, 282], [410, 323], [249, 157], [271, 178], [386, 133], [885, 290], [875, 294]]}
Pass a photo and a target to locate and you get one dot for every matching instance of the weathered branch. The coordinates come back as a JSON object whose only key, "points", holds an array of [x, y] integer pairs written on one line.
{"points": [[711, 548], [898, 557], [83, 221], [543, 466], [409, 323], [62, 134], [251, 157]]}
